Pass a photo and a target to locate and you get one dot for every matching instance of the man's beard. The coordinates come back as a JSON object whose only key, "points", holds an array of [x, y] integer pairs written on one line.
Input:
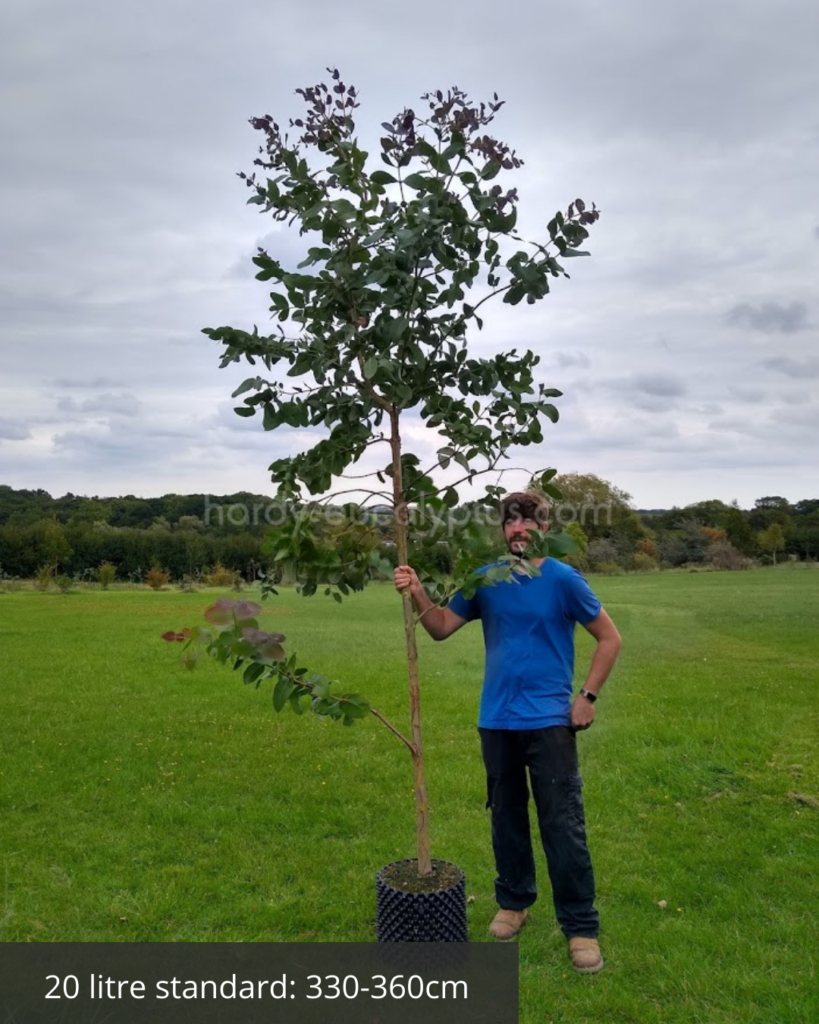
{"points": [[518, 546]]}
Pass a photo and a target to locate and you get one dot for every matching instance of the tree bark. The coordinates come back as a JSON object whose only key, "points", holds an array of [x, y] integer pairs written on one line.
{"points": [[400, 513]]}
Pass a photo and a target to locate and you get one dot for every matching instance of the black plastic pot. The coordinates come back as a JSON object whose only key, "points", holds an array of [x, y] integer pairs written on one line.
{"points": [[438, 916]]}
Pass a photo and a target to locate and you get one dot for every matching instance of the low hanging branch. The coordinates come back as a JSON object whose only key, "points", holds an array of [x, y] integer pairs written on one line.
{"points": [[398, 262], [235, 637]]}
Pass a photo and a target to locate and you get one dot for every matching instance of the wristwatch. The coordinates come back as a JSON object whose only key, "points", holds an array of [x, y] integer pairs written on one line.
{"points": [[590, 697]]}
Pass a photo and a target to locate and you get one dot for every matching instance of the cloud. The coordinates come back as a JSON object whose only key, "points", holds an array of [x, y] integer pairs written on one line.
{"points": [[689, 134], [90, 383], [285, 245], [566, 359], [647, 392], [661, 385], [114, 440], [11, 431], [119, 405], [770, 317], [800, 369], [728, 424], [804, 419], [752, 395]]}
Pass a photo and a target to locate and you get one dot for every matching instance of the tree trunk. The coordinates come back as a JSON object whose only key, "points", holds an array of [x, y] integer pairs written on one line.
{"points": [[400, 513]]}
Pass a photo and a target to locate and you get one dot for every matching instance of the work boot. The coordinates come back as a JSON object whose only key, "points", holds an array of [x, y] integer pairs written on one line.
{"points": [[585, 954], [507, 923]]}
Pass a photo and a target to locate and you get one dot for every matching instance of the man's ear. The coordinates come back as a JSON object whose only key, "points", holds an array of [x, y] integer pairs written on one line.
{"points": [[545, 526]]}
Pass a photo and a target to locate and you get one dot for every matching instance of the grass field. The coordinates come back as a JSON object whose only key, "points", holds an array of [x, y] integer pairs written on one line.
{"points": [[139, 802]]}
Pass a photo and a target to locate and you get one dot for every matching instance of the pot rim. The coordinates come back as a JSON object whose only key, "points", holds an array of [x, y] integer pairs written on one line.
{"points": [[414, 860]]}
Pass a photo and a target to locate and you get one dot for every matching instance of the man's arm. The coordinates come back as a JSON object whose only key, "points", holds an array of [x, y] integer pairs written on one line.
{"points": [[438, 622], [605, 654]]}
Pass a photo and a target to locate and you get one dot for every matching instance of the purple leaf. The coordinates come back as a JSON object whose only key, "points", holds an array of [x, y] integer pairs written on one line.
{"points": [[258, 636]]}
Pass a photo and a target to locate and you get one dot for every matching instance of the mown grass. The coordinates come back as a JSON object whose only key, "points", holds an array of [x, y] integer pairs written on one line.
{"points": [[143, 803]]}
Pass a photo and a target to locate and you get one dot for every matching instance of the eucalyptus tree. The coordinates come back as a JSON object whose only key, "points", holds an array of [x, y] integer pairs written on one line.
{"points": [[400, 262]]}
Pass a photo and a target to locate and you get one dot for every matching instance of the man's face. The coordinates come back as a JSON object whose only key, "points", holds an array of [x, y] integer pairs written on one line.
{"points": [[516, 533]]}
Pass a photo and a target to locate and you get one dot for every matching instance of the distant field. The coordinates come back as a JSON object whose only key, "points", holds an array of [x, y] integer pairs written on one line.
{"points": [[139, 802]]}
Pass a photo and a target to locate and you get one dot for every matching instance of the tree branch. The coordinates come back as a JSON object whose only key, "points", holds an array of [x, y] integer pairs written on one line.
{"points": [[354, 490], [300, 682], [393, 730]]}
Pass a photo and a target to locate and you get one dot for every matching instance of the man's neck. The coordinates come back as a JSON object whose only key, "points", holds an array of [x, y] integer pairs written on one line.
{"points": [[536, 562]]}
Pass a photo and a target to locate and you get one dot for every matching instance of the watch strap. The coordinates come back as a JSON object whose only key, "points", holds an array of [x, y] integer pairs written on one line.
{"points": [[591, 697]]}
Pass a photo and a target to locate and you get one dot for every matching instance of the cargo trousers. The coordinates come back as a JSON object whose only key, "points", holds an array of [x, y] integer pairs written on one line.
{"points": [[548, 756]]}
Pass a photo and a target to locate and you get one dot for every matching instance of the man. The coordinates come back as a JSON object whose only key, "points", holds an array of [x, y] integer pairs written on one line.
{"points": [[528, 723]]}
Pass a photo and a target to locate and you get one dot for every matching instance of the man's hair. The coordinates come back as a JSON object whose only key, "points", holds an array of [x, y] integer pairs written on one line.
{"points": [[524, 505]]}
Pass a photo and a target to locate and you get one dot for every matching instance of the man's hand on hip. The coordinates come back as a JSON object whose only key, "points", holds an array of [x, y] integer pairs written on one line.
{"points": [[582, 713]]}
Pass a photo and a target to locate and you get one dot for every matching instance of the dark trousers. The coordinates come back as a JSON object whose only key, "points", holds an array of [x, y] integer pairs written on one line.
{"points": [[550, 755]]}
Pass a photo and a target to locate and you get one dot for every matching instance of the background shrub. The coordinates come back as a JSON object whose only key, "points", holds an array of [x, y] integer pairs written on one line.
{"points": [[609, 569], [603, 551], [157, 578], [219, 576], [44, 577], [106, 574], [725, 556], [642, 562]]}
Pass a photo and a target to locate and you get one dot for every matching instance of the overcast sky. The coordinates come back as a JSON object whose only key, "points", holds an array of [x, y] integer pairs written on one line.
{"points": [[686, 346]]}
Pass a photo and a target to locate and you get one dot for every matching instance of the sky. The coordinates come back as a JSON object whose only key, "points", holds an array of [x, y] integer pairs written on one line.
{"points": [[686, 346]]}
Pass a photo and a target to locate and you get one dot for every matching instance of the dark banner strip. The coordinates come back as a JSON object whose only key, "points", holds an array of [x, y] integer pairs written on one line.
{"points": [[274, 983]]}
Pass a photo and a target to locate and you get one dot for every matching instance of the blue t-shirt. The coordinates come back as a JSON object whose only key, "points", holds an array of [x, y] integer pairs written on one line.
{"points": [[528, 628]]}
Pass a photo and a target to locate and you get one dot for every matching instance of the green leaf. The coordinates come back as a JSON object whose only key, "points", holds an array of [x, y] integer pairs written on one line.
{"points": [[353, 705], [252, 673], [314, 255], [282, 692], [490, 170], [250, 383], [371, 239], [344, 208], [444, 456], [426, 149], [397, 327], [320, 685], [244, 410], [561, 543], [271, 420], [382, 178], [280, 304], [420, 182], [270, 268]]}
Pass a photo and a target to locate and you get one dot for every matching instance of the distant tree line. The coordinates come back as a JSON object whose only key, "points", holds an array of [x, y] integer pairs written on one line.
{"points": [[75, 535], [773, 528], [188, 536]]}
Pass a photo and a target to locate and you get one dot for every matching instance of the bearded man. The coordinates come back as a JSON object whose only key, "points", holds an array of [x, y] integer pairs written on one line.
{"points": [[529, 721]]}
